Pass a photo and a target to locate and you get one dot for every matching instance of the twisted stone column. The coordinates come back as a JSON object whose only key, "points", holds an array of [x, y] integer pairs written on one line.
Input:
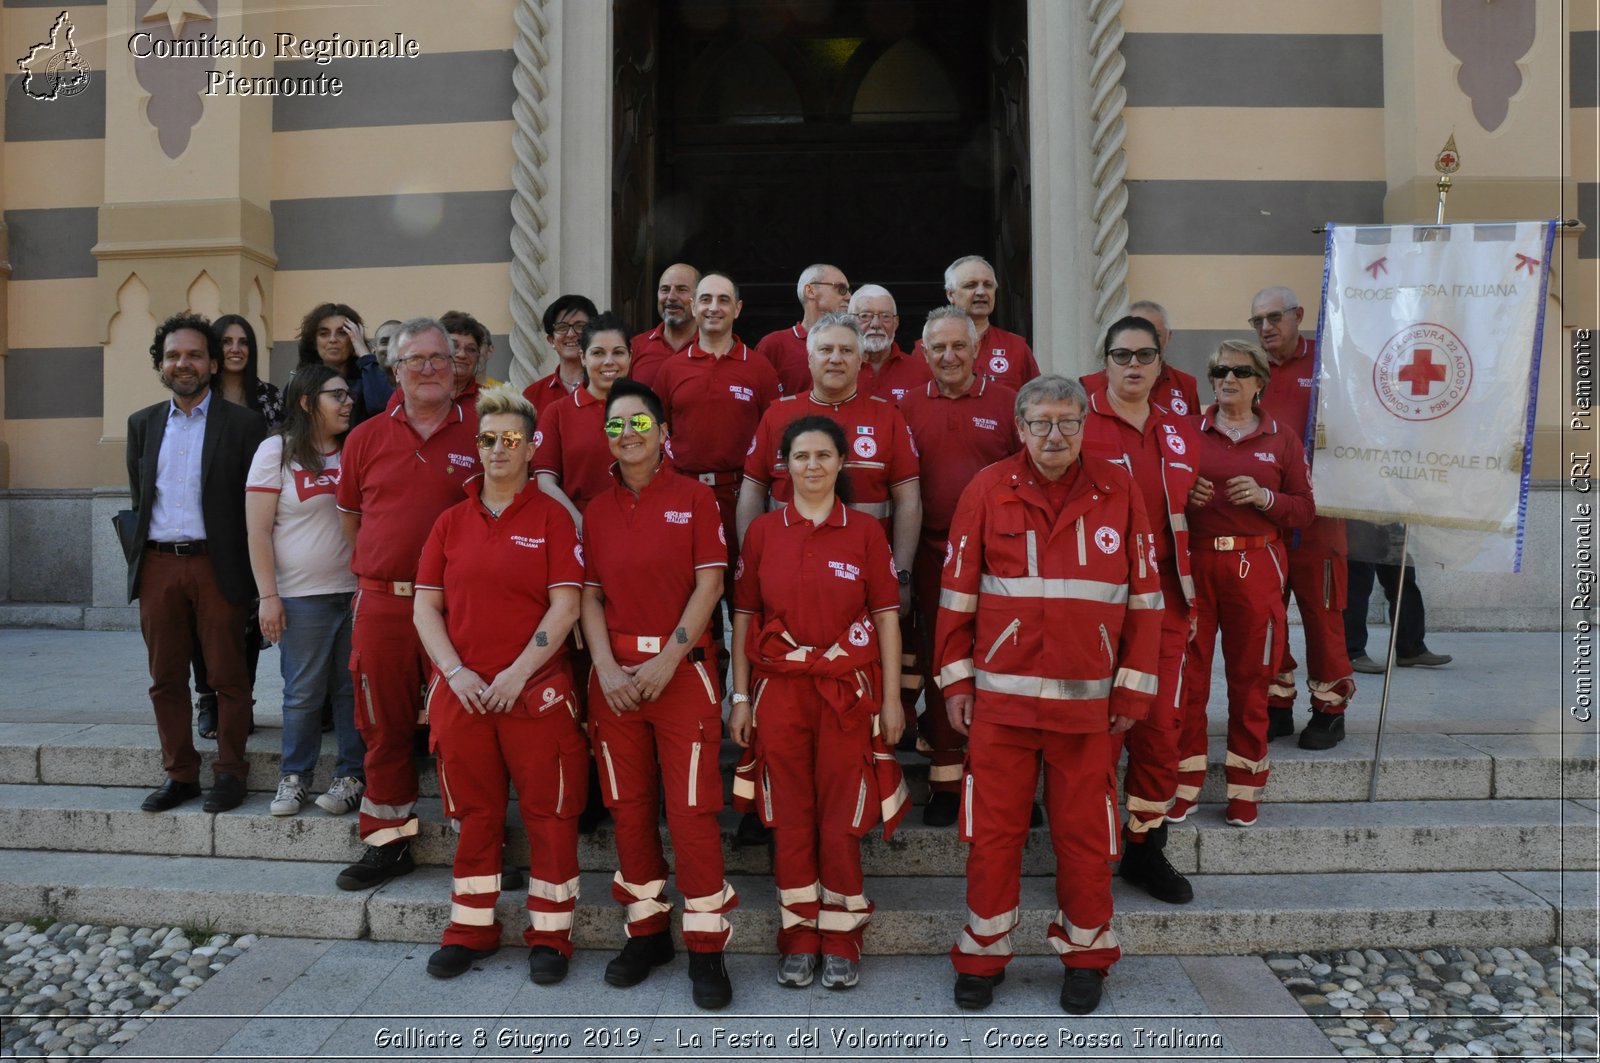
{"points": [[1109, 162], [530, 254]]}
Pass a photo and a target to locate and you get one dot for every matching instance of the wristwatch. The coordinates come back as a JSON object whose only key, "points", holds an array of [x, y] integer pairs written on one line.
{"points": [[904, 576], [741, 699]]}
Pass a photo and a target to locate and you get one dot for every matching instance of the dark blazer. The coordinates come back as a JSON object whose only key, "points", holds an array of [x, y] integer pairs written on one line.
{"points": [[232, 435]]}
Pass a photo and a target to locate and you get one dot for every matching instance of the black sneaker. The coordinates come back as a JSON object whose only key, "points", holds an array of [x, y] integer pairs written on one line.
{"points": [[974, 992], [511, 877], [1325, 731], [1146, 866], [751, 831], [942, 809], [546, 966], [1280, 723], [378, 865], [639, 957], [1080, 991], [452, 960], [709, 976]]}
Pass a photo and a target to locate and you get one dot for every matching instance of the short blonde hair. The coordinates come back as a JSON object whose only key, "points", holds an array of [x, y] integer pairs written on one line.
{"points": [[1258, 358], [503, 398]]}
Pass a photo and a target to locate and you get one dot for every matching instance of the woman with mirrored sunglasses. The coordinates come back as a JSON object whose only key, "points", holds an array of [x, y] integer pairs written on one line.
{"points": [[497, 594], [1126, 425], [1253, 488]]}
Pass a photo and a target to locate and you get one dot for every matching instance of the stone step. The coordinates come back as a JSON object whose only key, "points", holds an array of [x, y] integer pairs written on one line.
{"points": [[1416, 766], [914, 916], [1289, 839]]}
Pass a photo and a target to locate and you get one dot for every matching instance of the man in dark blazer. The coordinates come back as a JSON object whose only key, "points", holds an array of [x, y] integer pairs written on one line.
{"points": [[188, 562]]}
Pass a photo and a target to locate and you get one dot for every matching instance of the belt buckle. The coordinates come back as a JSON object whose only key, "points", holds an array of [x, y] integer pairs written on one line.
{"points": [[1225, 542], [403, 590], [707, 478], [649, 644]]}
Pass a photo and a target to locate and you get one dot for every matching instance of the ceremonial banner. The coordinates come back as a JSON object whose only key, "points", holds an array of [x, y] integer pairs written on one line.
{"points": [[1429, 342]]}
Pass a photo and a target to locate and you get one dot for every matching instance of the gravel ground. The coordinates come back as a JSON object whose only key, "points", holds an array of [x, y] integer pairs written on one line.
{"points": [[1449, 1003], [91, 988]]}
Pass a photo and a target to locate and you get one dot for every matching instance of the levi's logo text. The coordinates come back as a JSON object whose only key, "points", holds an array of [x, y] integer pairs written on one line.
{"points": [[310, 484], [844, 570], [676, 516], [743, 394], [527, 542], [466, 461]]}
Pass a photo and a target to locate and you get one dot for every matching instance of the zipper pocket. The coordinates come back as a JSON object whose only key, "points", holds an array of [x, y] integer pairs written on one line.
{"points": [[966, 804], [1266, 652], [959, 552], [1010, 631], [1105, 642], [444, 786], [366, 696], [1111, 827], [861, 805], [611, 771], [561, 784], [1083, 546], [694, 774]]}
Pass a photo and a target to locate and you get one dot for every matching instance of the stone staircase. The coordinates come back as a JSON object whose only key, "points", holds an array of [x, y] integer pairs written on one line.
{"points": [[1476, 839]]}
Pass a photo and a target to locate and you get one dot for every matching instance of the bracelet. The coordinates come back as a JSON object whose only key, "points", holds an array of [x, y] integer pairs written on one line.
{"points": [[452, 672]]}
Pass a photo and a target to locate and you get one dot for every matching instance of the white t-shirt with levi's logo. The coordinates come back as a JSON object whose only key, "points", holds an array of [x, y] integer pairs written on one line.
{"points": [[309, 550]]}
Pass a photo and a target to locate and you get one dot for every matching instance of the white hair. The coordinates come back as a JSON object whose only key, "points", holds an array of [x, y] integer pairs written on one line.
{"points": [[873, 291], [810, 275], [829, 321], [1290, 301], [950, 270], [953, 312], [415, 327], [1151, 304]]}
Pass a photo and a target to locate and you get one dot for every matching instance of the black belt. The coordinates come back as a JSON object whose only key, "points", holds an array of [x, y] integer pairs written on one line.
{"points": [[193, 548]]}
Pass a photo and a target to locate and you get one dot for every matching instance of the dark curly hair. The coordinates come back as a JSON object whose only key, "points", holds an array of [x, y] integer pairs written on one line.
{"points": [[185, 319], [827, 426], [308, 330]]}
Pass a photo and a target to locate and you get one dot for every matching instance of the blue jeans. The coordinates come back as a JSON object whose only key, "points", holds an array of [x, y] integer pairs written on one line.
{"points": [[315, 652]]}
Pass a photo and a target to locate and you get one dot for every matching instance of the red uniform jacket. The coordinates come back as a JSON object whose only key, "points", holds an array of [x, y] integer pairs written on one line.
{"points": [[1288, 399], [1176, 390], [1054, 622]]}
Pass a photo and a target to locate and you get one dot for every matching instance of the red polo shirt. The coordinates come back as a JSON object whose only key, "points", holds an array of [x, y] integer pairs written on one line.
{"points": [[399, 483], [644, 550], [879, 454], [545, 390], [1175, 390], [496, 574], [816, 578], [713, 405], [1276, 460], [1002, 356], [650, 352], [572, 446], [1288, 394], [785, 351], [956, 438], [897, 376]]}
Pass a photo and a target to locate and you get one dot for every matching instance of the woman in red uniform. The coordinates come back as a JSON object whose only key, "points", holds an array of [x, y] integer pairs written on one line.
{"points": [[816, 607], [572, 459], [497, 592], [1123, 425], [1253, 486]]}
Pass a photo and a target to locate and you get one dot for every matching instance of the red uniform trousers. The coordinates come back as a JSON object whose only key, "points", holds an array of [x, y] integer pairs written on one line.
{"points": [[676, 737], [1152, 777], [1319, 580], [943, 745], [388, 666], [545, 756], [818, 795], [1240, 592], [1080, 794]]}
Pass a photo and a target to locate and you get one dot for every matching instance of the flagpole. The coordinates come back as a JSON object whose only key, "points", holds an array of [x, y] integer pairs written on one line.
{"points": [[1405, 534]]}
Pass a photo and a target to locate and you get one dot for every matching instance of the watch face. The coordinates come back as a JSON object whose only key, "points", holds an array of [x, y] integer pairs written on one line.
{"points": [[904, 577]]}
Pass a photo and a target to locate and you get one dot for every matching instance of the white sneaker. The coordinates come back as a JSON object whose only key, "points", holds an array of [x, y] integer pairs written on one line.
{"points": [[343, 795], [796, 969], [291, 795], [839, 973]]}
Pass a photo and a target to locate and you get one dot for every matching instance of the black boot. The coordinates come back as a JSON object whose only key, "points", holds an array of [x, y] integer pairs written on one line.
{"points": [[1144, 864]]}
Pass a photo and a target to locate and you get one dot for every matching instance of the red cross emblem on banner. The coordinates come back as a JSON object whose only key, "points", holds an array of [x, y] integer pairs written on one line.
{"points": [[1525, 261], [1375, 268], [1421, 373]]}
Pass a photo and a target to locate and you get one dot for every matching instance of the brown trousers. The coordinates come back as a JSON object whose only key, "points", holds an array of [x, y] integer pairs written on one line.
{"points": [[180, 602]]}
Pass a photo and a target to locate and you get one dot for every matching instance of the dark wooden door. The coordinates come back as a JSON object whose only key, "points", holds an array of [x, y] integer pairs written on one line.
{"points": [[879, 135]]}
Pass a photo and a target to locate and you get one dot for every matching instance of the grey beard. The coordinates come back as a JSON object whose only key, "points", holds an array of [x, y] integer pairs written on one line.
{"points": [[875, 345]]}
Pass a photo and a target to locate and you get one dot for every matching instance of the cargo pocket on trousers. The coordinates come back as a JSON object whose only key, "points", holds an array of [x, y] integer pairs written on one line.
{"points": [[572, 775]]}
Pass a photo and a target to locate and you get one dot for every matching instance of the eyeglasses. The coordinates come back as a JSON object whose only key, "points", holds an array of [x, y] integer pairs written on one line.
{"points": [[416, 363], [839, 286], [1123, 356], [867, 317], [1069, 426], [340, 396], [511, 440], [1238, 372], [567, 328], [1274, 318], [639, 422]]}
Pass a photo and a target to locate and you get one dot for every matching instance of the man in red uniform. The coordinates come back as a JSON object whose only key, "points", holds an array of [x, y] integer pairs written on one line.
{"points": [[1174, 390], [960, 423], [1046, 542], [713, 396], [675, 304], [655, 567], [886, 370], [1317, 571], [563, 331], [398, 472], [822, 289], [969, 283]]}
